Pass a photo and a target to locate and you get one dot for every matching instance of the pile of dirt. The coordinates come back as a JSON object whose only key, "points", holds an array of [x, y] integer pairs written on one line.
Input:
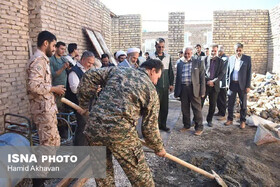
{"points": [[228, 151]]}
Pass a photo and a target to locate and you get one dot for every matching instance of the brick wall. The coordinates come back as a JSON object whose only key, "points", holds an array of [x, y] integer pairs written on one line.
{"points": [[126, 32], [66, 19], [249, 27], [14, 56], [154, 36], [274, 42], [176, 21]]}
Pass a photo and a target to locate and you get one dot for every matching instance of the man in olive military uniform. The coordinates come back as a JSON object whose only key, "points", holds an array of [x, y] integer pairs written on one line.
{"points": [[165, 83], [126, 94], [40, 91]]}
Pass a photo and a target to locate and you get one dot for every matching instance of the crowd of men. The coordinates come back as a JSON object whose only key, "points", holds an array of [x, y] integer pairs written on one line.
{"points": [[116, 97]]}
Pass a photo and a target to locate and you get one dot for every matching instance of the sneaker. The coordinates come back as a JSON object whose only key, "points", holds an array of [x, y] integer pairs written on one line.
{"points": [[198, 132], [210, 124], [166, 129]]}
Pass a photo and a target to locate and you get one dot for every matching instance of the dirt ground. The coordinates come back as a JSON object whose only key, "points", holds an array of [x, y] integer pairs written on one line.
{"points": [[229, 151]]}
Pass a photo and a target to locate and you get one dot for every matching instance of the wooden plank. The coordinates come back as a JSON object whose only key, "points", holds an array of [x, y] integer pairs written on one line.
{"points": [[104, 47], [66, 181], [94, 42]]}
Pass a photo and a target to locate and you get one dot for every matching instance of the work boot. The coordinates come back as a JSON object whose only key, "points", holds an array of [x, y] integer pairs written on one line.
{"points": [[228, 123], [198, 132], [166, 129], [242, 125]]}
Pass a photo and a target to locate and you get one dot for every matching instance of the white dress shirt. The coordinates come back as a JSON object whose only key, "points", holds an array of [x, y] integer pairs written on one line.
{"points": [[74, 80], [70, 60], [236, 68]]}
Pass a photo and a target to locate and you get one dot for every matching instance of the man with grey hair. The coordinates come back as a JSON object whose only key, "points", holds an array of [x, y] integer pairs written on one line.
{"points": [[190, 87], [214, 72], [165, 83], [131, 59], [239, 81], [222, 96], [75, 75]]}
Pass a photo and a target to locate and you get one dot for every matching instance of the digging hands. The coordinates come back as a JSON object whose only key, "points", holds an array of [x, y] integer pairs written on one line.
{"points": [[162, 153]]}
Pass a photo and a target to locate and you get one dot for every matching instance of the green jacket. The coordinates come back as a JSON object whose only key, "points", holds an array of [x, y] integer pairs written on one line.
{"points": [[167, 76]]}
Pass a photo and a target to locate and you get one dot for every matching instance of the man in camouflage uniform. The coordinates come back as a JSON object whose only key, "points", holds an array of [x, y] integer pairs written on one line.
{"points": [[126, 94], [40, 91]]}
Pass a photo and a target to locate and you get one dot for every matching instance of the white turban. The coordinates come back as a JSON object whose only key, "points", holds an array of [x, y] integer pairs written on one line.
{"points": [[119, 53], [133, 50]]}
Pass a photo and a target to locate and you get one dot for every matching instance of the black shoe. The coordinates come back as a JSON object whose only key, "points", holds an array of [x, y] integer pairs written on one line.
{"points": [[210, 124], [166, 129], [218, 114]]}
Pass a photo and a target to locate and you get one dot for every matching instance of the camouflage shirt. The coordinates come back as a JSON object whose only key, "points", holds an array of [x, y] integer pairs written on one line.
{"points": [[126, 94], [39, 84]]}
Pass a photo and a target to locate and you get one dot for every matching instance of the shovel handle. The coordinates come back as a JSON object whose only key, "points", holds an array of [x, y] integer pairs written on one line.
{"points": [[169, 156], [183, 163], [70, 103]]}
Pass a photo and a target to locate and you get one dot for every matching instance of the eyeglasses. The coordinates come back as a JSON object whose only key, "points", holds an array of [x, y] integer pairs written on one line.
{"points": [[160, 47], [239, 50]]}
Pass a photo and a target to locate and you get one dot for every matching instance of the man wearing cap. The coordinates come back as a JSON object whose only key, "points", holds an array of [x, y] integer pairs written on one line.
{"points": [[165, 82], [120, 56], [132, 57]]}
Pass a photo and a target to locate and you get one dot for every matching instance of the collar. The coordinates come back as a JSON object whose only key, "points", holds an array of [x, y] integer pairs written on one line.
{"points": [[41, 53], [185, 60], [144, 71], [81, 66], [237, 58], [163, 54]]}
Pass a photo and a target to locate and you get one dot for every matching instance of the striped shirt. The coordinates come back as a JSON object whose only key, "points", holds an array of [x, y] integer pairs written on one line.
{"points": [[187, 72]]}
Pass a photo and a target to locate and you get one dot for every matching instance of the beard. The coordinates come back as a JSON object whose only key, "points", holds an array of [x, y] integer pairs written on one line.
{"points": [[49, 52]]}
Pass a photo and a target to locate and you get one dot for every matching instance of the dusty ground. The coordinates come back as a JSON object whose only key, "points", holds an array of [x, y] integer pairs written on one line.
{"points": [[229, 151]]}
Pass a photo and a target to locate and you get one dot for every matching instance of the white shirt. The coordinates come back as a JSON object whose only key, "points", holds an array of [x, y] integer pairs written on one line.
{"points": [[74, 80], [236, 68], [70, 60]]}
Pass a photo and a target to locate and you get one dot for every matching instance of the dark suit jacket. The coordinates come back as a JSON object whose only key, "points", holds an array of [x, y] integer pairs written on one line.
{"points": [[223, 83], [219, 72], [198, 78], [245, 71]]}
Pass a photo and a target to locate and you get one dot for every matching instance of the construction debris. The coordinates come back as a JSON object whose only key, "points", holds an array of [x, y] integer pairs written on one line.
{"points": [[267, 134], [264, 98]]}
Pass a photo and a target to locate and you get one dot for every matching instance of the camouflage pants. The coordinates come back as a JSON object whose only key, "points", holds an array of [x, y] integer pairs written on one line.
{"points": [[46, 124], [130, 155]]}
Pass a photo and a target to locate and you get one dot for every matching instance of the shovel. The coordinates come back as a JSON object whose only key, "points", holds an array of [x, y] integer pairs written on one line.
{"points": [[169, 156], [215, 176]]}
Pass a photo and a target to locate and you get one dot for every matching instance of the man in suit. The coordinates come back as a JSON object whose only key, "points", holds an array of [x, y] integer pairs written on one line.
{"points": [[239, 78], [199, 54], [222, 96], [190, 87], [165, 83], [214, 72]]}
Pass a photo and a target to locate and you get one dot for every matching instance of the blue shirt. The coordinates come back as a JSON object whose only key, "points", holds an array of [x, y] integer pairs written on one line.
{"points": [[187, 72]]}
